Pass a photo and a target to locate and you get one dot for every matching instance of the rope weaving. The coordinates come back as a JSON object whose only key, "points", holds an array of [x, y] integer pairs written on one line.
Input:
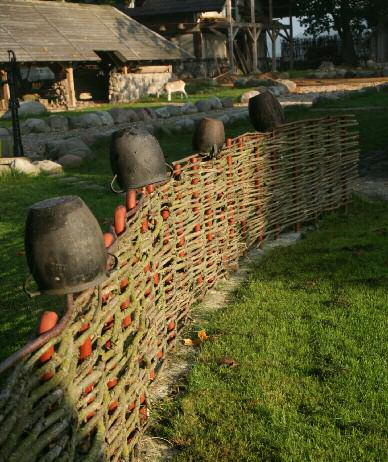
{"points": [[83, 395]]}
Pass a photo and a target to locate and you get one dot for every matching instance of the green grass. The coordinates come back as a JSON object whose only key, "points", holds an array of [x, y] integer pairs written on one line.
{"points": [[365, 100], [308, 332]]}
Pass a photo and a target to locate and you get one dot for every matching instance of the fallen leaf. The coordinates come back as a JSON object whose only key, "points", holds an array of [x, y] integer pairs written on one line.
{"points": [[227, 361], [187, 342], [20, 253], [202, 335]]}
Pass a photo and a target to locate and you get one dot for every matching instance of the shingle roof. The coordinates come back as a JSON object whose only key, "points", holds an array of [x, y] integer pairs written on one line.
{"points": [[41, 31], [156, 7]]}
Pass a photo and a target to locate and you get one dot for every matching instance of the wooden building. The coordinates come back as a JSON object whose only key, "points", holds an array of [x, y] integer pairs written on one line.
{"points": [[82, 45], [217, 30]]}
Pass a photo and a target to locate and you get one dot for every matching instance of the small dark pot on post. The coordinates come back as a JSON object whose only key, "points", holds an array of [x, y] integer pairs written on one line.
{"points": [[209, 136], [137, 159], [64, 246], [265, 112]]}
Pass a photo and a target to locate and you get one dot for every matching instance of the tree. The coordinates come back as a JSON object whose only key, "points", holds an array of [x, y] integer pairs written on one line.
{"points": [[347, 17]]}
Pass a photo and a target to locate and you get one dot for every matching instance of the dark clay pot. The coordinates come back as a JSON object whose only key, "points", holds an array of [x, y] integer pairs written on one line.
{"points": [[64, 246], [209, 136], [265, 112], [137, 159]]}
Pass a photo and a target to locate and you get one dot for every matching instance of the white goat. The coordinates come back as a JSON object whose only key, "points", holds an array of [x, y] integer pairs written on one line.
{"points": [[174, 87]]}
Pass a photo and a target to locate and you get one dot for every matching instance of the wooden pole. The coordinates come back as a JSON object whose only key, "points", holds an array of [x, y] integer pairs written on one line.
{"points": [[291, 40], [72, 100], [230, 35], [5, 93], [254, 36], [273, 36]]}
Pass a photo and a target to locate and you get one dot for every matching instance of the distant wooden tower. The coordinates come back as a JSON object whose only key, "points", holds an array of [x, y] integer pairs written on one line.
{"points": [[235, 30]]}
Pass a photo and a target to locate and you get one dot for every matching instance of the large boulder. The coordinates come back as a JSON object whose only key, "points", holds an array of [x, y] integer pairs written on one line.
{"points": [[132, 115], [204, 105], [119, 115], [28, 108], [143, 115], [70, 161], [48, 166], [34, 126], [327, 66], [4, 132], [245, 97], [163, 112], [189, 108], [174, 111], [58, 123], [106, 118], [89, 120], [23, 165], [227, 102], [288, 84], [74, 146], [215, 103]]}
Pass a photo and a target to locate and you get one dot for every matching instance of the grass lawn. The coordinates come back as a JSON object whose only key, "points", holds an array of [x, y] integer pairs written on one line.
{"points": [[308, 333]]}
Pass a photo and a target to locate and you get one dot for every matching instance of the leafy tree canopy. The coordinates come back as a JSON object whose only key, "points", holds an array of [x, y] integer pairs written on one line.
{"points": [[347, 17]]}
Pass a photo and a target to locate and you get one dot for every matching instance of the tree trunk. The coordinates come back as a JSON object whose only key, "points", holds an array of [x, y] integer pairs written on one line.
{"points": [[349, 55]]}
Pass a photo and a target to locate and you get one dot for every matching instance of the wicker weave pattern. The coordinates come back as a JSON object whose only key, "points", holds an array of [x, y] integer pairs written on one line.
{"points": [[187, 235]]}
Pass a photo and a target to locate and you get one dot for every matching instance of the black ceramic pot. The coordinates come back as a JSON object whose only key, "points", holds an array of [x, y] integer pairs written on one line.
{"points": [[64, 246], [209, 136], [137, 159]]}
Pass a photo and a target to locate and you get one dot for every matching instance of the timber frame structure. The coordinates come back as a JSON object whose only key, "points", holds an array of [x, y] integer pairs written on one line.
{"points": [[238, 22], [70, 38]]}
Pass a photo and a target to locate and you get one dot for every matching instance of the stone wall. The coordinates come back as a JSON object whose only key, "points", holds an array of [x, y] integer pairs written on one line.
{"points": [[127, 87]]}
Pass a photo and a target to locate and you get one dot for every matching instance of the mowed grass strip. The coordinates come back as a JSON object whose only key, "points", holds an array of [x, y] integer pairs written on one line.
{"points": [[306, 342]]}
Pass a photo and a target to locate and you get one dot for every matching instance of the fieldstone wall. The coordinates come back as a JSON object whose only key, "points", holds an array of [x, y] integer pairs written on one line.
{"points": [[127, 87]]}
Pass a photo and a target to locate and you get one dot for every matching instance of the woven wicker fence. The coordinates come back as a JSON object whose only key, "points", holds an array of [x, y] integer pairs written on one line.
{"points": [[88, 402]]}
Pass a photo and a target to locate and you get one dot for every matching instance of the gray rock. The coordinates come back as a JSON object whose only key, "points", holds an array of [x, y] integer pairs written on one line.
{"points": [[204, 105], [48, 166], [189, 108], [224, 119], [28, 108], [278, 90], [151, 113], [70, 161], [384, 72], [58, 123], [88, 120], [163, 112], [119, 115], [74, 146], [132, 115], [327, 66], [241, 83], [34, 126], [106, 118], [341, 73], [245, 97], [174, 111], [215, 103], [227, 102], [4, 132], [288, 84], [23, 165], [143, 115]]}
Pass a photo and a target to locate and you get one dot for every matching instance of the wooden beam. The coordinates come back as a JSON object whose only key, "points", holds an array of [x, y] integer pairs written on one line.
{"points": [[291, 40], [72, 100], [230, 35], [254, 37], [273, 38], [5, 93]]}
